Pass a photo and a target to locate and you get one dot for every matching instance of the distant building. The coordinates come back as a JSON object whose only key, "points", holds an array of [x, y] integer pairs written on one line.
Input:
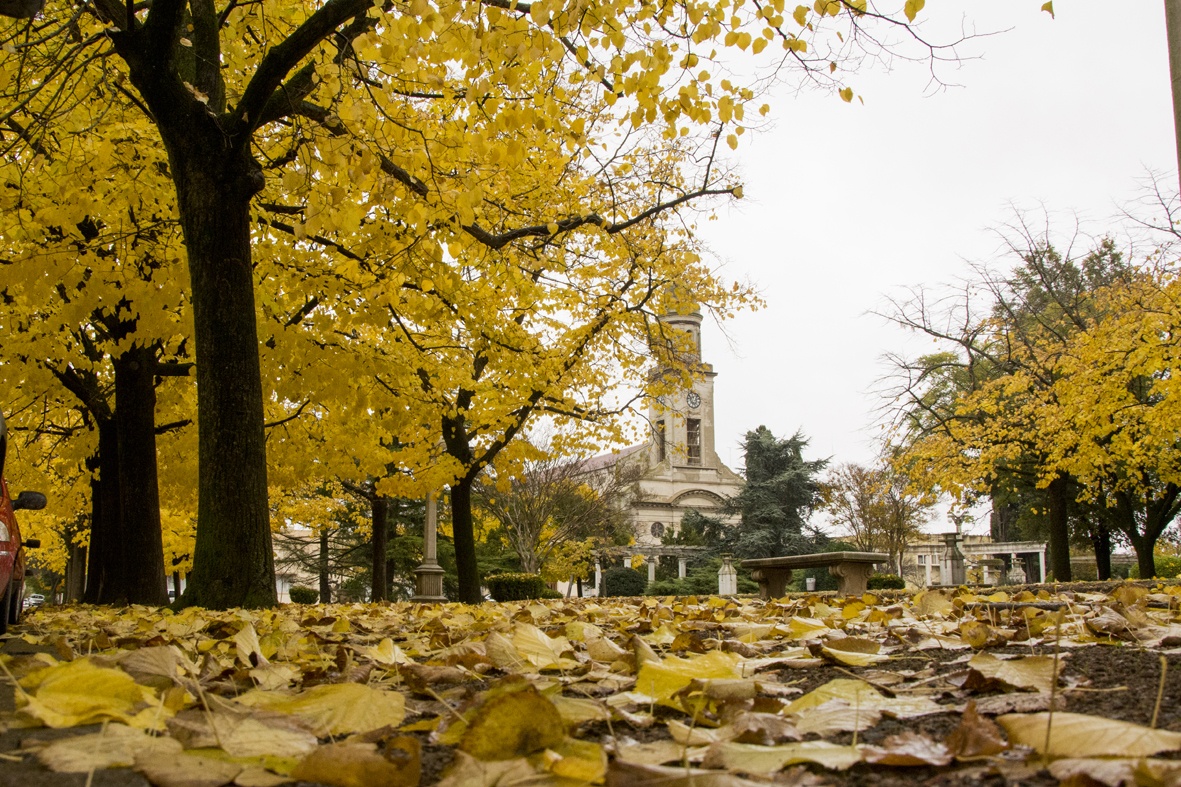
{"points": [[683, 471]]}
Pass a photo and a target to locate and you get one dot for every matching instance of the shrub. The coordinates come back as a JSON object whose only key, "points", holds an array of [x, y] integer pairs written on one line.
{"points": [[1167, 567], [516, 587], [622, 581], [303, 595], [551, 593], [886, 582]]}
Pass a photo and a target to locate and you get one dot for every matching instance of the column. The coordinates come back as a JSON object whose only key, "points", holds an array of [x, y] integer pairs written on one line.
{"points": [[598, 577], [652, 568], [428, 577], [927, 568], [682, 567], [1041, 563]]}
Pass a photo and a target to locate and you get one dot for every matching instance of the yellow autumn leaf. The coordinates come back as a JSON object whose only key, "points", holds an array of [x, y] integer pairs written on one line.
{"points": [[912, 8], [186, 770], [1026, 672], [541, 650], [336, 708], [662, 679], [846, 94], [1080, 735], [1048, 7], [78, 692], [512, 724], [385, 652]]}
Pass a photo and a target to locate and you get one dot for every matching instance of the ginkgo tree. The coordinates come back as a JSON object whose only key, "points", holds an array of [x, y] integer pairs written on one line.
{"points": [[401, 122]]}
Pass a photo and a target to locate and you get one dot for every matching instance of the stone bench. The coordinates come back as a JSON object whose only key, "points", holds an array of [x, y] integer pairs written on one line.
{"points": [[852, 570]]}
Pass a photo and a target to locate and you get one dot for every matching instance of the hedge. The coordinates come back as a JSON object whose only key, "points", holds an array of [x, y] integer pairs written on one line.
{"points": [[516, 587], [886, 582], [303, 595], [621, 581]]}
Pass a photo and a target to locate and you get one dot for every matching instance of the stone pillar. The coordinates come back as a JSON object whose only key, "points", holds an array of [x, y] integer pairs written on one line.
{"points": [[953, 558], [1041, 565], [727, 577], [428, 577], [598, 577], [652, 569], [682, 567], [927, 568]]}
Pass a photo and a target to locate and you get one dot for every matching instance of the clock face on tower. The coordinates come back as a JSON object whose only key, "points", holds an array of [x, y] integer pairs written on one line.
{"points": [[693, 399]]}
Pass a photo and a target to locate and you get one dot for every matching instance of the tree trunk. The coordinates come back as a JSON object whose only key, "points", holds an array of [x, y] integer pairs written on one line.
{"points": [[233, 562], [1101, 540], [142, 545], [75, 585], [465, 542], [1059, 494], [105, 569], [323, 563], [380, 511]]}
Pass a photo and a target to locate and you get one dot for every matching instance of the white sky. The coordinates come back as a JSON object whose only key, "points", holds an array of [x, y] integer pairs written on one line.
{"points": [[846, 203]]}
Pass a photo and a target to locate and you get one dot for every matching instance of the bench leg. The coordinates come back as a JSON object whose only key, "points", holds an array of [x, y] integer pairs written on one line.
{"points": [[772, 581], [852, 578]]}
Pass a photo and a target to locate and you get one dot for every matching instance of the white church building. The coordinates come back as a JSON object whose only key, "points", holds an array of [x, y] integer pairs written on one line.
{"points": [[683, 471]]}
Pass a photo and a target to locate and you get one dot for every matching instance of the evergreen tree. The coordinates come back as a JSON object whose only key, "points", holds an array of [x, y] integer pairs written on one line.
{"points": [[781, 490]]}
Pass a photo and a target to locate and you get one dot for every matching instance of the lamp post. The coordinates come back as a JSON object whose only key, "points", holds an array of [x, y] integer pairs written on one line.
{"points": [[428, 577]]}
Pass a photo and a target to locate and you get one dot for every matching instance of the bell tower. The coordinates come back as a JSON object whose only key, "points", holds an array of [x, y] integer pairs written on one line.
{"points": [[683, 420]]}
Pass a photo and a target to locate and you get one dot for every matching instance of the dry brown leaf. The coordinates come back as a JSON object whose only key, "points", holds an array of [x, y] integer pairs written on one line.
{"points": [[628, 774], [764, 729], [361, 765], [117, 745], [186, 770], [907, 748], [241, 735], [763, 760], [1080, 735], [976, 736], [1027, 672], [657, 752], [836, 716]]}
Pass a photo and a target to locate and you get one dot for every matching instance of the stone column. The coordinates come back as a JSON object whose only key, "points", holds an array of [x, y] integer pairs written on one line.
{"points": [[1041, 564], [598, 577], [682, 567], [953, 558], [652, 569], [727, 577], [428, 577], [927, 568]]}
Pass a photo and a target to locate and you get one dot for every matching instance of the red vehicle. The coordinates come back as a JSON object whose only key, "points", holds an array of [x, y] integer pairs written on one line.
{"points": [[12, 549]]}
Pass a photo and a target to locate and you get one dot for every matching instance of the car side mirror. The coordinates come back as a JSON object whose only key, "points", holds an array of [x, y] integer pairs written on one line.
{"points": [[29, 501], [33, 543]]}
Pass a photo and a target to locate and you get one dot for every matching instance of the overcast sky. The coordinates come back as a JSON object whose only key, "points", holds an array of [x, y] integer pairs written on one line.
{"points": [[848, 203]]}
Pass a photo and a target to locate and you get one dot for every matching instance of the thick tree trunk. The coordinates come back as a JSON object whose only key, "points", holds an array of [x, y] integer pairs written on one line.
{"points": [[142, 580], [1101, 540], [103, 578], [322, 566], [380, 511], [465, 542], [75, 585], [233, 562], [1059, 494]]}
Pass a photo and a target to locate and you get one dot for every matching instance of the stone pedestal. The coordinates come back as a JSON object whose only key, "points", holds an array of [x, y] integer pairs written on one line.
{"points": [[953, 559], [727, 577], [428, 577]]}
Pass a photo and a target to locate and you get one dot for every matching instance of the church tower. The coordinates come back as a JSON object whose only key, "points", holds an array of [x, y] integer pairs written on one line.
{"points": [[684, 471]]}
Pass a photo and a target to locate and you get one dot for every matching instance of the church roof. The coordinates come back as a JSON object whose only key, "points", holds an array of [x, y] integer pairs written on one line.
{"points": [[604, 461]]}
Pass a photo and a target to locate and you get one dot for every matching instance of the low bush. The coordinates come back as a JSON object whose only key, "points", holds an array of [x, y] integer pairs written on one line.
{"points": [[303, 595], [620, 581], [1167, 567], [886, 582], [516, 587]]}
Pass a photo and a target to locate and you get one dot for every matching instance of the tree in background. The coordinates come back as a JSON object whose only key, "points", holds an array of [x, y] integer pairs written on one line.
{"points": [[782, 490], [876, 507], [552, 503], [970, 419]]}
